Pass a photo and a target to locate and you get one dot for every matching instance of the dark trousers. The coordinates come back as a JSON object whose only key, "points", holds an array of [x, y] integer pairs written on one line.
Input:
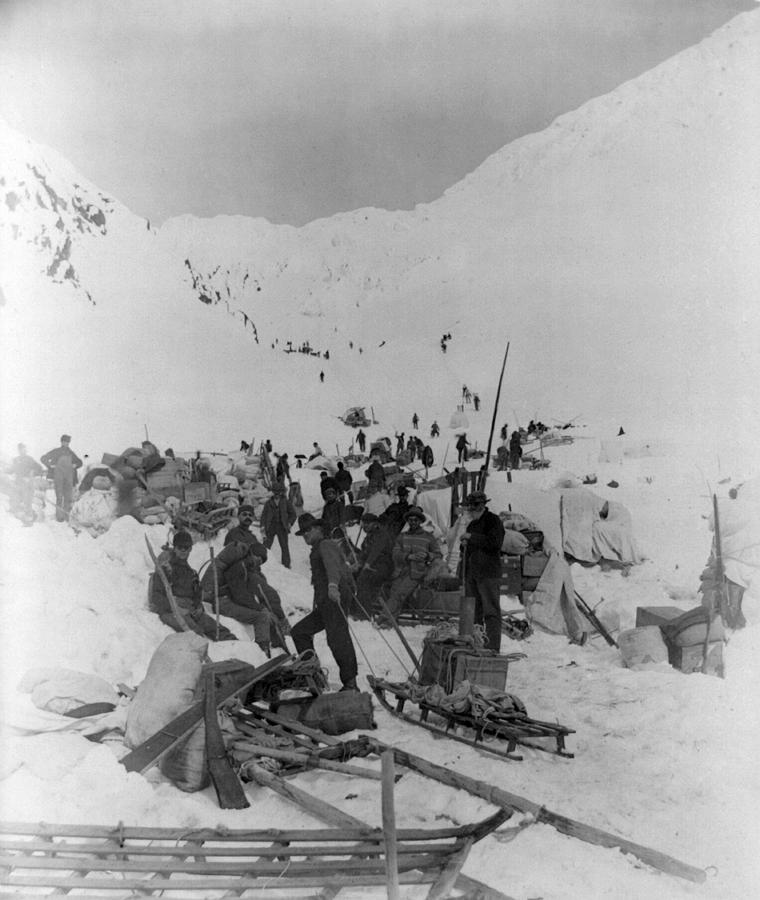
{"points": [[487, 607], [282, 538], [328, 616], [368, 586], [200, 623]]}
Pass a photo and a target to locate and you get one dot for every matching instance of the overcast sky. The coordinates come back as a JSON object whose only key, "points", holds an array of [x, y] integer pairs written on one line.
{"points": [[296, 110]]}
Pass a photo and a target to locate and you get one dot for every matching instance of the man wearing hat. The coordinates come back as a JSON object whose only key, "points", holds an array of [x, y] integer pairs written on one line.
{"points": [[257, 556], [64, 464], [394, 518], [277, 518], [186, 589], [481, 556], [375, 565], [327, 570], [413, 553]]}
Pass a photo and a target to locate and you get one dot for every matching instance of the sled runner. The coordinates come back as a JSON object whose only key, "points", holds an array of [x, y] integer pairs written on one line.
{"points": [[499, 731], [122, 862]]}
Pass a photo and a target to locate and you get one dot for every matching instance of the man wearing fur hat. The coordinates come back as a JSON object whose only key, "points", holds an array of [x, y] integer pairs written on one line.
{"points": [[328, 569], [413, 553], [277, 518], [481, 555]]}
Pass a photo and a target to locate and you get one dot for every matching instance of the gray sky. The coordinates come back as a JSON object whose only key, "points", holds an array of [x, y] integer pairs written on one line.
{"points": [[296, 110]]}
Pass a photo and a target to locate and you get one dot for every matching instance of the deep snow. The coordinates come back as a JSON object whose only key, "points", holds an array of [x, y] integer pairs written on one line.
{"points": [[662, 758]]}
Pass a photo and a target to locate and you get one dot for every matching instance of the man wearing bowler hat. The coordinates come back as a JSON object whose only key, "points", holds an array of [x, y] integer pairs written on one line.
{"points": [[327, 570], [481, 555]]}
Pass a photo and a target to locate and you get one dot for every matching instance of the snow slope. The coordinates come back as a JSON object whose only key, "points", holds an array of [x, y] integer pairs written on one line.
{"points": [[616, 250]]}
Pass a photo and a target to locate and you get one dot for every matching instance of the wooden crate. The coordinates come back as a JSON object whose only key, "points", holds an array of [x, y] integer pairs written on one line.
{"points": [[689, 659], [656, 615], [448, 663]]}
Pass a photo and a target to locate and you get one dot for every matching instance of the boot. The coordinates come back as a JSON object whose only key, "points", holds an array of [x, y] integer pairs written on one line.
{"points": [[350, 685]]}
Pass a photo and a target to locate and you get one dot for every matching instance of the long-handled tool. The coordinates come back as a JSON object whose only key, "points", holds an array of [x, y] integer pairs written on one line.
{"points": [[167, 588]]}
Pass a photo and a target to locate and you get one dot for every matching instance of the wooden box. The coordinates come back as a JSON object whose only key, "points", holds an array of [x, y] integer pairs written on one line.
{"points": [[448, 663], [511, 582], [656, 615], [689, 659]]}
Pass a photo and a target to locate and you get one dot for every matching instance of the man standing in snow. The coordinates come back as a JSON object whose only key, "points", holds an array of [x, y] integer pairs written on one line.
{"points": [[515, 450], [186, 589], [25, 469], [481, 554], [344, 481], [434, 430], [462, 444], [277, 518], [415, 420], [64, 463], [327, 570], [361, 440]]}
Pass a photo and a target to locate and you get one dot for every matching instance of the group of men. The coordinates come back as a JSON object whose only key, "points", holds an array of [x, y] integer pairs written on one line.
{"points": [[61, 464], [396, 556]]}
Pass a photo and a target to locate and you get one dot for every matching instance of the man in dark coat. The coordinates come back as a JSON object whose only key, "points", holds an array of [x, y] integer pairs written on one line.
{"points": [[282, 471], [481, 554], [515, 450], [277, 518], [186, 589], [343, 480], [361, 440], [242, 597], [375, 474], [327, 571], [333, 513], [462, 444], [64, 464], [394, 517], [375, 565], [242, 534]]}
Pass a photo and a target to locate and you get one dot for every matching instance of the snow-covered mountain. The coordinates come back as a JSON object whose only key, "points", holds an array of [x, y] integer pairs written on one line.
{"points": [[616, 251]]}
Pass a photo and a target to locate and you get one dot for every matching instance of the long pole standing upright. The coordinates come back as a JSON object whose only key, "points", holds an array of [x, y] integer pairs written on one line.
{"points": [[484, 471]]}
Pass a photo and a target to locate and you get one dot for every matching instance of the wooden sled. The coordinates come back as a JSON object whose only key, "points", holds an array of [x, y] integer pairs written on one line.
{"points": [[500, 733], [123, 862]]}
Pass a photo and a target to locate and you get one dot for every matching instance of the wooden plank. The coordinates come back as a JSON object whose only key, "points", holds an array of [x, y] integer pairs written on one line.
{"points": [[307, 760], [275, 869], [443, 885], [389, 825], [266, 835], [142, 887], [563, 824], [477, 889], [229, 790], [372, 848], [155, 747]]}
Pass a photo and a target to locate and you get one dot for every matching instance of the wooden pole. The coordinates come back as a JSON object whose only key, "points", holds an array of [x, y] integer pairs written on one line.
{"points": [[216, 591], [304, 758], [484, 472], [389, 825], [563, 824]]}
